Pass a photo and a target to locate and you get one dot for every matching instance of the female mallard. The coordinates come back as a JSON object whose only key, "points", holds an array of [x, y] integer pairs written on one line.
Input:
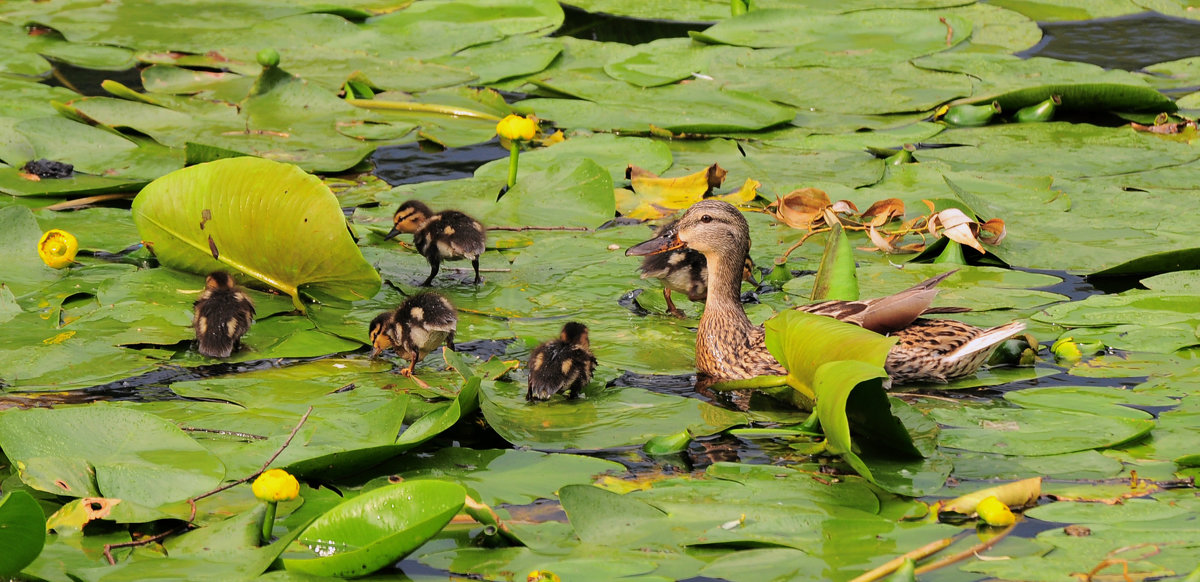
{"points": [[222, 315], [729, 347], [683, 270], [446, 236], [565, 363], [414, 329]]}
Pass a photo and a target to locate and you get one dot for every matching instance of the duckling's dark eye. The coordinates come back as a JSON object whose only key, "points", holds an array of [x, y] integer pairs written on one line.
{"points": [[706, 219]]}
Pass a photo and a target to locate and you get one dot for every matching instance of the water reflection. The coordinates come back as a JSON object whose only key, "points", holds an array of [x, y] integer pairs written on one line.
{"points": [[1125, 42]]}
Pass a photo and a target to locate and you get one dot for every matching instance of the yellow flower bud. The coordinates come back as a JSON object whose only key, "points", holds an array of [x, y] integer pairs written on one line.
{"points": [[1065, 349], [542, 576], [57, 248], [994, 512], [515, 127], [276, 485]]}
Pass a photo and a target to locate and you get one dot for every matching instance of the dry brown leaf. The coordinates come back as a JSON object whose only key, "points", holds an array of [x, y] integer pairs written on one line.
{"points": [[883, 211], [993, 232], [806, 208]]}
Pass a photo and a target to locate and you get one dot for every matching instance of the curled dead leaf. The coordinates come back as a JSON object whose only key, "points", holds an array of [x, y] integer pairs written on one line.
{"points": [[806, 208], [883, 212]]}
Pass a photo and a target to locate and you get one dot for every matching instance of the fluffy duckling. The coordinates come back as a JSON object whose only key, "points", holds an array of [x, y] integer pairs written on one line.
{"points": [[414, 329], [729, 347], [683, 270], [564, 363], [222, 315], [446, 236]]}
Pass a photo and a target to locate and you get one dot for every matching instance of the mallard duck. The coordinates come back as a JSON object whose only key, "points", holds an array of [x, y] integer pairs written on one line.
{"points": [[729, 347], [221, 315], [414, 329], [446, 236], [564, 363], [683, 270]]}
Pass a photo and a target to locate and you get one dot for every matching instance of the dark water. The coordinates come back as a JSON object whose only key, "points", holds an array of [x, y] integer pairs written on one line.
{"points": [[1124, 42]]}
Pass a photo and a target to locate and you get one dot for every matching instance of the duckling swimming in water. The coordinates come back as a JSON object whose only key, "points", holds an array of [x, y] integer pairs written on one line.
{"points": [[221, 315], [729, 347], [564, 363], [683, 270], [414, 329], [448, 235]]}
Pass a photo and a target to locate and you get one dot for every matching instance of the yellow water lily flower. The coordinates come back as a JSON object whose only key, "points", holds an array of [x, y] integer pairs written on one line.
{"points": [[57, 248], [276, 485], [515, 127], [542, 576], [994, 512]]}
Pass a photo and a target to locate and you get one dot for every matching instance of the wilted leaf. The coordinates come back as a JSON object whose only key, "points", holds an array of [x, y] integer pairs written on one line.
{"points": [[806, 208], [1015, 494], [655, 196]]}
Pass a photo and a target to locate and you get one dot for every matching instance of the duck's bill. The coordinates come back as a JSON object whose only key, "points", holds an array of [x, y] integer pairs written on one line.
{"points": [[661, 244], [391, 234]]}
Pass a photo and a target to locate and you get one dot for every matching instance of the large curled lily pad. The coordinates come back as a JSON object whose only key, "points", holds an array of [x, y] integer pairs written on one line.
{"points": [[376, 528], [263, 219]]}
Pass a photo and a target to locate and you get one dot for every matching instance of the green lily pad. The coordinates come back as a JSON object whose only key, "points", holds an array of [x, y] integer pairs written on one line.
{"points": [[604, 418], [504, 476], [375, 529], [1035, 433], [203, 218], [86, 452], [22, 531]]}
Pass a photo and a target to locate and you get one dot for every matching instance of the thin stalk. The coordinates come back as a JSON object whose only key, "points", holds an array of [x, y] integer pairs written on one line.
{"points": [[268, 525], [512, 164]]}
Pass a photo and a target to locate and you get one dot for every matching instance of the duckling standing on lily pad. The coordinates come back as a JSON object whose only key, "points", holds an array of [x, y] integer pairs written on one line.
{"points": [[448, 235], [565, 363], [222, 315], [420, 324], [683, 270]]}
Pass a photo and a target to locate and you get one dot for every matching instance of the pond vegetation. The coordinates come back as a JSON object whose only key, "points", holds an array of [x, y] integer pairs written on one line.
{"points": [[243, 136]]}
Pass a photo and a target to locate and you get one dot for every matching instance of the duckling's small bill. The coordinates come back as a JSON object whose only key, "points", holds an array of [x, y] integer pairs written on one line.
{"points": [[661, 244]]}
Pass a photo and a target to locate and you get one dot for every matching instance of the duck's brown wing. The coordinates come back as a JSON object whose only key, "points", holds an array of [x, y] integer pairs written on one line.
{"points": [[940, 350], [886, 314]]}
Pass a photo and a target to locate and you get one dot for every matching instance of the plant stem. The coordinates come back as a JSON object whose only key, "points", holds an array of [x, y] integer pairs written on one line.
{"points": [[512, 164], [268, 525]]}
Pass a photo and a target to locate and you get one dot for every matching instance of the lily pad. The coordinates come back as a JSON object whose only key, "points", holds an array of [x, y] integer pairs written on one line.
{"points": [[86, 452], [205, 217], [375, 529], [22, 531]]}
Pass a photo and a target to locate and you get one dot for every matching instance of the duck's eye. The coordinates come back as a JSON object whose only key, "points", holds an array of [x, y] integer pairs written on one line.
{"points": [[706, 219]]}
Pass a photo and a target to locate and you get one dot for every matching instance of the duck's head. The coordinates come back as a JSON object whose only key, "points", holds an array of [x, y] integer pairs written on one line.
{"points": [[575, 334], [219, 280], [380, 332], [712, 227], [410, 217]]}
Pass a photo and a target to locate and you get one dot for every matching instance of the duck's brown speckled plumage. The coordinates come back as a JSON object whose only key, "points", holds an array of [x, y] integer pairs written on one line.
{"points": [[729, 347], [448, 235]]}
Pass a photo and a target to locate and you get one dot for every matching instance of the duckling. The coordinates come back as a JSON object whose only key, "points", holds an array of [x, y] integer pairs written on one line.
{"points": [[729, 347], [564, 363], [414, 329], [448, 235], [684, 270], [222, 315]]}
